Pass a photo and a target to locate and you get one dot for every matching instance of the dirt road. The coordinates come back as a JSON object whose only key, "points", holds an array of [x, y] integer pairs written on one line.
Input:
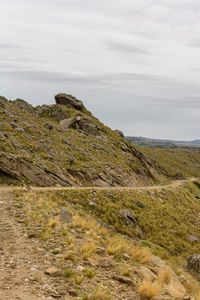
{"points": [[175, 183]]}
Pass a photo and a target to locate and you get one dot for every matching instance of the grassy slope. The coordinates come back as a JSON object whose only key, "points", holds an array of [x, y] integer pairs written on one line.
{"points": [[167, 219], [173, 161], [170, 214]]}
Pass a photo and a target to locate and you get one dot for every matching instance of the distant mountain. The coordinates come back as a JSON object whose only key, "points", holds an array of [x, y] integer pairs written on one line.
{"points": [[159, 143]]}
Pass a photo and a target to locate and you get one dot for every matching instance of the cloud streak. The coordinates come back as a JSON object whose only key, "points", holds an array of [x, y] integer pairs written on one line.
{"points": [[134, 63]]}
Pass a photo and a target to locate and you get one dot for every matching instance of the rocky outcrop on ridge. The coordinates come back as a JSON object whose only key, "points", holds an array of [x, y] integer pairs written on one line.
{"points": [[65, 144]]}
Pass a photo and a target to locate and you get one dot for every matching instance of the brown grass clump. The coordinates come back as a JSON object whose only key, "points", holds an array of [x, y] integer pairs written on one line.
{"points": [[89, 224], [88, 250], [165, 276], [52, 223], [118, 246], [98, 293], [149, 290]]}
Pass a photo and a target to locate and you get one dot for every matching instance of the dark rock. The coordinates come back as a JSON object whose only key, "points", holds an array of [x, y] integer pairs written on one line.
{"points": [[72, 292], [141, 204], [128, 217], [193, 263], [49, 126], [70, 101], [65, 217], [120, 133], [197, 197]]}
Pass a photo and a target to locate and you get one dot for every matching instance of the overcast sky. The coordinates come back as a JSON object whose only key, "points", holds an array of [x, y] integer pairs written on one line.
{"points": [[134, 63]]}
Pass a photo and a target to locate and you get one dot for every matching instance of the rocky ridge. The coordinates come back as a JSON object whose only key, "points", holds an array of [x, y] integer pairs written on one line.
{"points": [[64, 144]]}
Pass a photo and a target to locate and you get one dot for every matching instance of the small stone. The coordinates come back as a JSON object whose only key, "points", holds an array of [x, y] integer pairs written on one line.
{"points": [[92, 262], [72, 293], [141, 204], [123, 279], [105, 263], [100, 251], [32, 235], [52, 271], [126, 256]]}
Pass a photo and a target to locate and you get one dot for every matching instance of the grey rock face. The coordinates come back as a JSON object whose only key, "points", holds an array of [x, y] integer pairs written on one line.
{"points": [[65, 124], [65, 217], [128, 217], [69, 101]]}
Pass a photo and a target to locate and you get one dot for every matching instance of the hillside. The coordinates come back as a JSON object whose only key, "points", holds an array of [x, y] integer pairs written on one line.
{"points": [[78, 244], [167, 144], [64, 144], [175, 163]]}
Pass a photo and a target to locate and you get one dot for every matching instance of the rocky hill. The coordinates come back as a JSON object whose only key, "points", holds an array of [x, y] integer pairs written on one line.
{"points": [[65, 144]]}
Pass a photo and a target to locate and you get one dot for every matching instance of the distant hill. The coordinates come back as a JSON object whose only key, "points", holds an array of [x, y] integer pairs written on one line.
{"points": [[159, 143]]}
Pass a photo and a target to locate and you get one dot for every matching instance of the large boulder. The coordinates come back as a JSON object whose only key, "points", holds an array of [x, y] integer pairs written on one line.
{"points": [[69, 101]]}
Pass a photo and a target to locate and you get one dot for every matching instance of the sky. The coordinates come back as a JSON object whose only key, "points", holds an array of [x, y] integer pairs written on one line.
{"points": [[134, 63]]}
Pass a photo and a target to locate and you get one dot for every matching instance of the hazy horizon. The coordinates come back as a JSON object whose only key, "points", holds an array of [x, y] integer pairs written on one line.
{"points": [[135, 65]]}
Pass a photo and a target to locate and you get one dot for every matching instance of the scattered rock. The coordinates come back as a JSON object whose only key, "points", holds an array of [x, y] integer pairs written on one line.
{"points": [[123, 279], [32, 235], [65, 216], [100, 251], [128, 217], [105, 263], [72, 292], [52, 271]]}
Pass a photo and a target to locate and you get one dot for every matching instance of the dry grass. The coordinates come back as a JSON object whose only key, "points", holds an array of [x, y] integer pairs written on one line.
{"points": [[165, 276], [88, 250], [149, 290], [52, 223], [89, 224], [118, 246], [98, 293]]}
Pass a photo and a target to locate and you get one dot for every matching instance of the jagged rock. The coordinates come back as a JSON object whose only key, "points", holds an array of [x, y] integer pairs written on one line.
{"points": [[120, 133], [85, 126], [193, 263], [65, 217], [128, 217], [70, 101]]}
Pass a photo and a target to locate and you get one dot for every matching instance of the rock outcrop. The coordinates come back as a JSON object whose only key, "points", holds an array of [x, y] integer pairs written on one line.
{"points": [[193, 263], [69, 101]]}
